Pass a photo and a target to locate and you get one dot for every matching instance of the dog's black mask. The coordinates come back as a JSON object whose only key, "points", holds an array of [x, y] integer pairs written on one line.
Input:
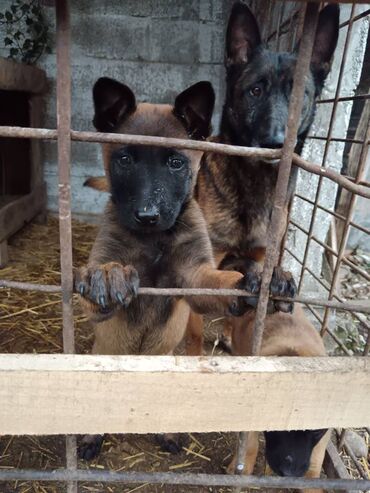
{"points": [[259, 81], [288, 453], [149, 186]]}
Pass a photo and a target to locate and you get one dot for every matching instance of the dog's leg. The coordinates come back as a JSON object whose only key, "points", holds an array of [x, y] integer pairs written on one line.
{"points": [[194, 335], [250, 455]]}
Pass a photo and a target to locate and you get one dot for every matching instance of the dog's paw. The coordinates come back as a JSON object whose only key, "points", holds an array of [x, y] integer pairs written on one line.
{"points": [[250, 282], [283, 285], [90, 447], [170, 442], [107, 286]]}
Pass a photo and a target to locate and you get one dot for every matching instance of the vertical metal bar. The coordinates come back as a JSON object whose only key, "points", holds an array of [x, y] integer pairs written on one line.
{"points": [[310, 15], [280, 199], [65, 225], [350, 211], [327, 145]]}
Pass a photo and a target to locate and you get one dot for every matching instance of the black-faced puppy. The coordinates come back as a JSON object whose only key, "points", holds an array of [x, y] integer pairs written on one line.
{"points": [[236, 194], [152, 230], [288, 453]]}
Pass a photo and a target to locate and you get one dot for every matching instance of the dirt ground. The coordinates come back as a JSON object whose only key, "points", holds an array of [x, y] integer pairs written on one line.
{"points": [[31, 322]]}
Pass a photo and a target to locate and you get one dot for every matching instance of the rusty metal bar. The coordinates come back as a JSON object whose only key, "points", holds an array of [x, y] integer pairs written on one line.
{"points": [[343, 242], [344, 98], [45, 134], [295, 108], [335, 214], [336, 139], [356, 17], [327, 145], [310, 13], [195, 479], [65, 215], [365, 308], [356, 314]]}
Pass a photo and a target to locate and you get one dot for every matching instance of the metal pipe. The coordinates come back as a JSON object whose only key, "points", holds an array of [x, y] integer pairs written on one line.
{"points": [[183, 479], [231, 150], [365, 308]]}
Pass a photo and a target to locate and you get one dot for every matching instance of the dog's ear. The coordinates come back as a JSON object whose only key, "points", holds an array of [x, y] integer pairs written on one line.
{"points": [[99, 183], [317, 435], [242, 35], [113, 102], [194, 107], [325, 41]]}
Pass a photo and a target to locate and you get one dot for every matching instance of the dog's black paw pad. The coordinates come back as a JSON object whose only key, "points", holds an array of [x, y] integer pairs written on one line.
{"points": [[170, 443], [90, 447]]}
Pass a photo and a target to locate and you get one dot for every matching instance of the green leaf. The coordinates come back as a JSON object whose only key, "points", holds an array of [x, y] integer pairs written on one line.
{"points": [[8, 16], [8, 41], [17, 35], [14, 52], [25, 8], [1, 15], [27, 44], [29, 21], [13, 8]]}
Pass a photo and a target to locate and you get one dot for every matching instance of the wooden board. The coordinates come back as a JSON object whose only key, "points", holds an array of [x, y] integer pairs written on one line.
{"points": [[20, 211], [57, 394], [16, 76]]}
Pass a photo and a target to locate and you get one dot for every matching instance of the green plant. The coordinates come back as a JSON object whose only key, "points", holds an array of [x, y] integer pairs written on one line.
{"points": [[26, 31]]}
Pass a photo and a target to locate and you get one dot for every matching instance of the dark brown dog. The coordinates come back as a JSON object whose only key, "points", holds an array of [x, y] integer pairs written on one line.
{"points": [[293, 453], [236, 194], [152, 231]]}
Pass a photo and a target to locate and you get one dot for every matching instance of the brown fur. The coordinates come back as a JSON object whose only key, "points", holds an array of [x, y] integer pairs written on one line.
{"points": [[284, 335]]}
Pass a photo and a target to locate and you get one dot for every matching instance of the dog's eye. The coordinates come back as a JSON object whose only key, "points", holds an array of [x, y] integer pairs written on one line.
{"points": [[125, 159], [175, 163], [255, 91]]}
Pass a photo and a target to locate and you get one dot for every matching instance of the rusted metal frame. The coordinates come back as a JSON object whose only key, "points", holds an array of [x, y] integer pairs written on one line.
{"points": [[355, 18], [65, 214], [327, 145], [310, 13], [4, 283], [344, 98], [356, 314], [329, 249], [336, 139], [329, 331], [195, 479], [350, 211], [20, 132], [335, 214]]}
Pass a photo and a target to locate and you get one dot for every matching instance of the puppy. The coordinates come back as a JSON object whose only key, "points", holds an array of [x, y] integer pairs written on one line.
{"points": [[288, 453], [152, 230]]}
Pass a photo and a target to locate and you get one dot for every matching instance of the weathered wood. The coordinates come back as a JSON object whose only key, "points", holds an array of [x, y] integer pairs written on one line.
{"points": [[57, 394], [334, 467], [16, 76], [20, 211], [36, 109]]}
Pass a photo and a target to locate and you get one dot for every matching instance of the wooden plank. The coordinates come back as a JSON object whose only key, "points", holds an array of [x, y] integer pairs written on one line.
{"points": [[57, 394], [4, 257], [20, 211], [16, 76], [334, 466]]}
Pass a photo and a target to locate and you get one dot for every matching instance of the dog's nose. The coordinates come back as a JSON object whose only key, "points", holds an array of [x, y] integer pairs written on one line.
{"points": [[274, 141], [147, 216]]}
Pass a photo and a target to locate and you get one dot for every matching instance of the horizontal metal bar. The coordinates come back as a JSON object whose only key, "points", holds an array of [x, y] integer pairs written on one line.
{"points": [[344, 98], [232, 150], [356, 17], [182, 479], [335, 214], [365, 308], [336, 139]]}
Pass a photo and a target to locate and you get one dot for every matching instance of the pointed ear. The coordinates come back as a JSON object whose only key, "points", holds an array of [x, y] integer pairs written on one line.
{"points": [[325, 40], [194, 107], [242, 35], [113, 102], [317, 435], [99, 183]]}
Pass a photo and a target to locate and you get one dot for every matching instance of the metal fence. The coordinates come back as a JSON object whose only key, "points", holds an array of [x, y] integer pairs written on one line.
{"points": [[305, 18]]}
